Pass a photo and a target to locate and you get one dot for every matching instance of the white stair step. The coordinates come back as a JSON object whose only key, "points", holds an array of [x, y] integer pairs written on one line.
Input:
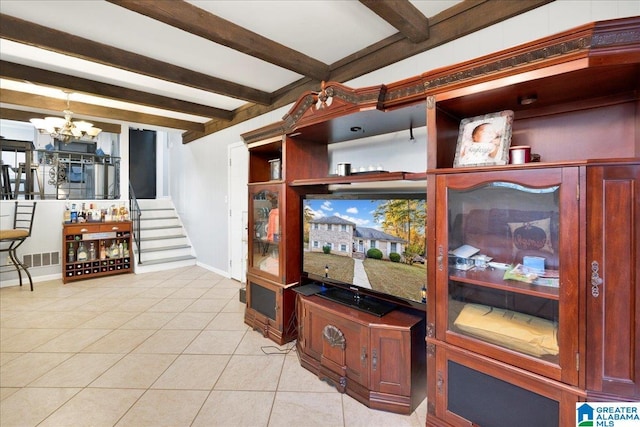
{"points": [[159, 253], [164, 236], [165, 248], [164, 244], [164, 264], [156, 213], [172, 259], [159, 222]]}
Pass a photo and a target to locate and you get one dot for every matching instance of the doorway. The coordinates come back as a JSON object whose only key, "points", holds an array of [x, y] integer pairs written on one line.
{"points": [[238, 208], [142, 163]]}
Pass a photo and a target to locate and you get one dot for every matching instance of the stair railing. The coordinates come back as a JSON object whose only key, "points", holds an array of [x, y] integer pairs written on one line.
{"points": [[134, 214]]}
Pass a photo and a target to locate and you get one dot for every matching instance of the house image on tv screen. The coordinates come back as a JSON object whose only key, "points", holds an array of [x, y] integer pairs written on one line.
{"points": [[343, 237]]}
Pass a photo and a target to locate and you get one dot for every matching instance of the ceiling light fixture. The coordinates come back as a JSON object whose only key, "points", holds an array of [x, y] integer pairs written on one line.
{"points": [[66, 130]]}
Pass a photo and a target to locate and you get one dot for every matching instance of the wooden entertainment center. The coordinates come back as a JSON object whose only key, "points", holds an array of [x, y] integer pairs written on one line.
{"points": [[576, 104]]}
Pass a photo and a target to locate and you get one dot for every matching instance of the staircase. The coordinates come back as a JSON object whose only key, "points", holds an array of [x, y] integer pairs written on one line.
{"points": [[164, 244]]}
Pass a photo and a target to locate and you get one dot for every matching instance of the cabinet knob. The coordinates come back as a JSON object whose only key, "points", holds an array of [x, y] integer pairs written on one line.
{"points": [[596, 280], [115, 228], [440, 382], [363, 356], [440, 258], [374, 359], [84, 230]]}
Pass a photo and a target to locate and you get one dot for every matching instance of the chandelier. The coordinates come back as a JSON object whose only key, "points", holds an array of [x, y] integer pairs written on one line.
{"points": [[66, 130]]}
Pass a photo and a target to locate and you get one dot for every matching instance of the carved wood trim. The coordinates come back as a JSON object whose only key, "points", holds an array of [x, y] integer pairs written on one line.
{"points": [[333, 99], [431, 350], [509, 63], [334, 337]]}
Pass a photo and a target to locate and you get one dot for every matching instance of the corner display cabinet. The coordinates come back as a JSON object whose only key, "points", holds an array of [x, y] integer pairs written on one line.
{"points": [[274, 264], [521, 346]]}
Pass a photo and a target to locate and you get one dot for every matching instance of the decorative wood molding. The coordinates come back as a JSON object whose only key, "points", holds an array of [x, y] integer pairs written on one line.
{"points": [[332, 100], [334, 337], [431, 350], [606, 41], [509, 63], [431, 329]]}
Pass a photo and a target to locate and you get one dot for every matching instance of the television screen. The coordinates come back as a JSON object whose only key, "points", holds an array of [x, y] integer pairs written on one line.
{"points": [[376, 243]]}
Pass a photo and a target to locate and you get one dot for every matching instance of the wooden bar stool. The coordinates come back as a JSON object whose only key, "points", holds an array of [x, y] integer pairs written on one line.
{"points": [[28, 188], [11, 239], [7, 192]]}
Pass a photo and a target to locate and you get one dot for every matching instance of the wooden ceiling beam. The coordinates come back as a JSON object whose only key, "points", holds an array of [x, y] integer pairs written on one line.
{"points": [[26, 32], [82, 109], [25, 116], [458, 21], [462, 19], [66, 82], [403, 15], [195, 20]]}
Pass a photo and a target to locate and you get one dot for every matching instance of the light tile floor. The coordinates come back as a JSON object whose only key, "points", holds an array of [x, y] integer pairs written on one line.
{"points": [[157, 349]]}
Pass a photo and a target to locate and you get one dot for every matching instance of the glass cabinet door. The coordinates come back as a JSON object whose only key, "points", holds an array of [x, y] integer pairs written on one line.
{"points": [[505, 275], [265, 229]]}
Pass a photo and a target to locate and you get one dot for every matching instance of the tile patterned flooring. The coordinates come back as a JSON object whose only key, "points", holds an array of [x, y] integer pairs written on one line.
{"points": [[156, 349]]}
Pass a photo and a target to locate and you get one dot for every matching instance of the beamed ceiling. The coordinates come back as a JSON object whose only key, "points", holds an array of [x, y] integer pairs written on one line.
{"points": [[202, 66]]}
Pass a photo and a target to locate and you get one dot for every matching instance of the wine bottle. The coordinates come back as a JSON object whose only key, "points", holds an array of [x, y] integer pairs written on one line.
{"points": [[71, 254], [82, 252], [92, 251], [113, 250]]}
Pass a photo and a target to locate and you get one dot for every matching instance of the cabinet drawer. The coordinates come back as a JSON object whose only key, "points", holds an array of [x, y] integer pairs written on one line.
{"points": [[115, 227], [80, 229], [97, 227]]}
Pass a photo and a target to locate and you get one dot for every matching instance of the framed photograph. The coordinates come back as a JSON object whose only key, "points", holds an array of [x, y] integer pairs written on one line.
{"points": [[484, 140]]}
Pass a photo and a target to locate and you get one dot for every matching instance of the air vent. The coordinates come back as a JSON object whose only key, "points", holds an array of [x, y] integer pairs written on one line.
{"points": [[41, 260]]}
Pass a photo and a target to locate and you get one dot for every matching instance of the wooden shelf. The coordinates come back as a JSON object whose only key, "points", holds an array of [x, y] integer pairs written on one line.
{"points": [[493, 279], [360, 177]]}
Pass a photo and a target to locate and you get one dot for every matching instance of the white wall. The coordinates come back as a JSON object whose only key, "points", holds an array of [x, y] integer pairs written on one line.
{"points": [[199, 185], [199, 169]]}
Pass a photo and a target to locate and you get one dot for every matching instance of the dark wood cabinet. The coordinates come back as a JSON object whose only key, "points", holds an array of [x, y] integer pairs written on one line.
{"points": [[575, 104], [612, 282], [489, 327], [582, 343], [270, 309], [274, 242], [270, 276], [377, 360]]}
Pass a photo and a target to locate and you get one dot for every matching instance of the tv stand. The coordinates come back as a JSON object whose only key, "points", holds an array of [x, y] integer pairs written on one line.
{"points": [[354, 299], [379, 361]]}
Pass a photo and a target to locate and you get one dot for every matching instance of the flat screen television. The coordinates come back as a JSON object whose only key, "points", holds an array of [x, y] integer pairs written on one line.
{"points": [[371, 244]]}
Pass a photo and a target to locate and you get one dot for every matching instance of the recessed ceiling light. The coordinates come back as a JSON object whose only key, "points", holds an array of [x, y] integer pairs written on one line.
{"points": [[527, 100]]}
